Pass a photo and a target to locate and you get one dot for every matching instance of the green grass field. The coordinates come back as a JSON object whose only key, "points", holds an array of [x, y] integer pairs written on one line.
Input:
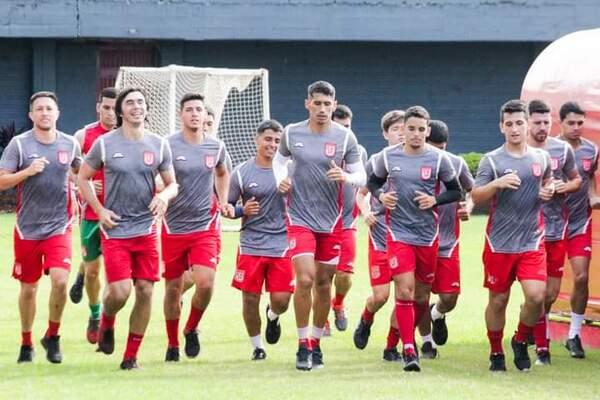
{"points": [[224, 370]]}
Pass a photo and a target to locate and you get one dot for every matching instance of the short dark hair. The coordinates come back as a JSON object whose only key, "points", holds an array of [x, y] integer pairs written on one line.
{"points": [[322, 87], [209, 110], [417, 112], [109, 93], [512, 107], [439, 131], [538, 107], [189, 97], [271, 124], [342, 111], [119, 103], [390, 118], [570, 107], [39, 95]]}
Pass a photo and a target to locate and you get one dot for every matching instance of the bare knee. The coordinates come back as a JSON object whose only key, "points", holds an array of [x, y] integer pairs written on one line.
{"points": [[59, 283], [280, 302], [28, 292], [449, 301], [304, 282], [380, 298], [498, 302], [144, 290]]}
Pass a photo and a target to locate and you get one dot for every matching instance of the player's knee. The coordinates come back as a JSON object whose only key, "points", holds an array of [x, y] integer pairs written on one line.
{"points": [[449, 301], [581, 278], [323, 285], [536, 298], [172, 293], [379, 299], [28, 292], [498, 303], [251, 300], [92, 274], [304, 282], [144, 292], [406, 293], [59, 283]]}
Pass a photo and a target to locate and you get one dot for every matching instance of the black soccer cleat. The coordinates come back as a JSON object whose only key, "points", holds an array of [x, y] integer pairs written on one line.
{"points": [[542, 358], [172, 354], [428, 351], [258, 354], [522, 361], [92, 331], [192, 344], [391, 355], [340, 318], [303, 358], [129, 364], [52, 346], [575, 348], [439, 329], [106, 341], [26, 354], [411, 361], [317, 358], [273, 329], [76, 291], [361, 334], [497, 362]]}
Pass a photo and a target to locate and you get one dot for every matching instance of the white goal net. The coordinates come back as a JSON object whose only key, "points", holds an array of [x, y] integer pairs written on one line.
{"points": [[238, 97]]}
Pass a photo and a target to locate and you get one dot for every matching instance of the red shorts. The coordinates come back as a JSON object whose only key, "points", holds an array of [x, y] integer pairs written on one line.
{"points": [[447, 273], [501, 269], [580, 245], [379, 269], [131, 258], [421, 260], [324, 247], [555, 257], [251, 272], [181, 251], [348, 251], [32, 257]]}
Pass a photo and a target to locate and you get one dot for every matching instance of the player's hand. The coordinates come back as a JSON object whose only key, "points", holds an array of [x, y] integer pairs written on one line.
{"points": [[547, 191], [370, 219], [251, 207], [425, 201], [97, 186], [560, 186], [335, 173], [509, 181], [37, 166], [227, 210], [158, 206], [108, 218], [463, 212], [285, 186], [388, 199]]}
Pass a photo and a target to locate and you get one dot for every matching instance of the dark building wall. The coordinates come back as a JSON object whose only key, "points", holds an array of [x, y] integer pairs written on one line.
{"points": [[15, 82]]}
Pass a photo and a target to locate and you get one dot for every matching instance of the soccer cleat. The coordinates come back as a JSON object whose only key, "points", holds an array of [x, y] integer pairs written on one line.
{"points": [[411, 361], [575, 348], [52, 346], [129, 364], [439, 329], [391, 355], [428, 351], [317, 358], [92, 330], [76, 291], [522, 361], [361, 334], [258, 354], [341, 321], [273, 330], [172, 354], [497, 362], [327, 329], [303, 358], [543, 357], [26, 354], [192, 344], [106, 341]]}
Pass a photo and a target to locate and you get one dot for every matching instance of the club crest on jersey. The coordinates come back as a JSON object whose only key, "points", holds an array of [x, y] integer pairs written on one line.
{"points": [[148, 158], [209, 160], [536, 168], [63, 157], [330, 149], [426, 172], [554, 163], [587, 164]]}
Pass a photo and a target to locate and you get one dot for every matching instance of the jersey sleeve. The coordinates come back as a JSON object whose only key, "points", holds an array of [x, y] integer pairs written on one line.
{"points": [[352, 155], [284, 148], [94, 157], [11, 156], [570, 165], [380, 166], [595, 163], [547, 165], [76, 162], [446, 170], [485, 172], [235, 186], [222, 156], [167, 159], [464, 177], [364, 157]]}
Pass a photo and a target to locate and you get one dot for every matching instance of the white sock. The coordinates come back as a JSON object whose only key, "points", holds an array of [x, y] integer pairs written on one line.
{"points": [[428, 338], [317, 332], [435, 314], [408, 346], [575, 327], [303, 333], [256, 342], [547, 326], [271, 315]]}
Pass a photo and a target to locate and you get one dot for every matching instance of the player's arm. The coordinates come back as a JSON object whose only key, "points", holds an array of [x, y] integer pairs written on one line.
{"points": [[487, 185], [363, 200], [10, 175], [222, 179], [574, 180], [376, 181], [593, 195], [160, 201], [355, 173], [451, 195], [85, 177]]}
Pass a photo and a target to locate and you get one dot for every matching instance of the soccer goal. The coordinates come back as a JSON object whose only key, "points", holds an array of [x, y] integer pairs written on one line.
{"points": [[238, 97]]}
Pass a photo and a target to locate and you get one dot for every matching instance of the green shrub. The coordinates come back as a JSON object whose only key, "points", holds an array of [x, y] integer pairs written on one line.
{"points": [[472, 159]]}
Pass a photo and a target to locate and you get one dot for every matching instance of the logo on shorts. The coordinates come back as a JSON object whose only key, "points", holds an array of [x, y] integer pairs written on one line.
{"points": [[148, 158], [330, 149], [587, 248], [209, 160], [67, 261], [239, 275], [293, 244], [63, 157], [293, 283], [455, 284], [394, 262], [426, 172], [18, 269], [375, 272], [587, 164], [554, 163], [536, 168]]}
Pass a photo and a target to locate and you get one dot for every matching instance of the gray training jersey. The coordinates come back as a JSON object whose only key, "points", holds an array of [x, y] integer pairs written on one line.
{"points": [[562, 163], [43, 200], [378, 231], [315, 202], [448, 218], [264, 234], [405, 175], [578, 203], [515, 223], [130, 167], [195, 208], [350, 208]]}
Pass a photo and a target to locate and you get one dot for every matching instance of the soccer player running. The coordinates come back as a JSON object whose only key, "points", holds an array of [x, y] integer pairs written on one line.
{"points": [[89, 273], [317, 147], [38, 162], [191, 225], [131, 158], [515, 178], [446, 285], [579, 228], [262, 257], [413, 173]]}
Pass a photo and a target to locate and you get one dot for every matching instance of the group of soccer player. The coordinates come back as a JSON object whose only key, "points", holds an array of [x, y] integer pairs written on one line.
{"points": [[145, 197]]}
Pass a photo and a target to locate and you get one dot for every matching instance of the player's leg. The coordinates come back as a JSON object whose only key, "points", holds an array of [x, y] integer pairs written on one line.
{"points": [[321, 307], [579, 296], [188, 281], [305, 270], [59, 278], [251, 313], [391, 353], [404, 285], [495, 320], [115, 298], [92, 288], [343, 277], [534, 292], [27, 308], [172, 311], [204, 281], [279, 282], [138, 321], [378, 298]]}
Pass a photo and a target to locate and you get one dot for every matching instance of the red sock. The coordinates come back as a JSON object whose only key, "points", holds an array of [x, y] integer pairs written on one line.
{"points": [[193, 319], [26, 339], [305, 342], [314, 343], [522, 332], [495, 338], [133, 345], [368, 316], [52, 328], [405, 317], [338, 300], [420, 310], [539, 333], [107, 322], [172, 332], [393, 338]]}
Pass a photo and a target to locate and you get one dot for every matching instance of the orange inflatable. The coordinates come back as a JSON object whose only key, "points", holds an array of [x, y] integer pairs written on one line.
{"points": [[569, 69]]}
